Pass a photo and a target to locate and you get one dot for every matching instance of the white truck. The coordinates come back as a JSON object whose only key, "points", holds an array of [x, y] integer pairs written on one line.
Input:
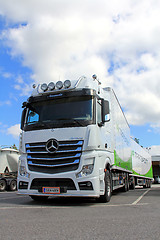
{"points": [[8, 168], [75, 141]]}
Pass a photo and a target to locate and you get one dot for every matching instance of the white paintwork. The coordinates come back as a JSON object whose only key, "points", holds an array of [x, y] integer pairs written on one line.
{"points": [[9, 159]]}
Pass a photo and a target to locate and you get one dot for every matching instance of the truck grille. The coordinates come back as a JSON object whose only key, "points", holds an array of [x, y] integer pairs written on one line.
{"points": [[66, 183], [66, 158]]}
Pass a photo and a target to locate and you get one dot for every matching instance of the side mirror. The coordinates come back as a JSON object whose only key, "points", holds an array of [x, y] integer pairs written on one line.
{"points": [[105, 111]]}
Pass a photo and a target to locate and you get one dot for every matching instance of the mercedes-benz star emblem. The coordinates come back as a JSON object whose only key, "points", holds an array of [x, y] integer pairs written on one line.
{"points": [[52, 146]]}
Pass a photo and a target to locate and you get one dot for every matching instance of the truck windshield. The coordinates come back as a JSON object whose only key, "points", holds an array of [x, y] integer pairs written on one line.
{"points": [[64, 112]]}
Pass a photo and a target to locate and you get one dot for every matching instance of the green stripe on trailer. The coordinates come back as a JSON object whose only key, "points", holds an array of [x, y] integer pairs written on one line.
{"points": [[120, 163], [149, 174]]}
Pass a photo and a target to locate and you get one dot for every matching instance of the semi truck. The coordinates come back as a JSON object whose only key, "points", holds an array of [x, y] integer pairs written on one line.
{"points": [[8, 168], [75, 142]]}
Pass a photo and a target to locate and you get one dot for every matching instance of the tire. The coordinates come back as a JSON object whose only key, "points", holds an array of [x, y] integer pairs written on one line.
{"points": [[3, 185], [39, 198], [132, 187], [13, 185], [126, 185], [107, 195], [146, 185]]}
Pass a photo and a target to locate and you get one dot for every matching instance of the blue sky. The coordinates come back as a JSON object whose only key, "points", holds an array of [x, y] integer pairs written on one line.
{"points": [[42, 41]]}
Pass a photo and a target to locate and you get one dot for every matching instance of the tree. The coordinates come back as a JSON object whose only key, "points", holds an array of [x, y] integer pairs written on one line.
{"points": [[136, 140], [14, 147]]}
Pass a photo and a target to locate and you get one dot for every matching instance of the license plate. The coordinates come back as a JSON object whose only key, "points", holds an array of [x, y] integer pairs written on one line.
{"points": [[51, 190]]}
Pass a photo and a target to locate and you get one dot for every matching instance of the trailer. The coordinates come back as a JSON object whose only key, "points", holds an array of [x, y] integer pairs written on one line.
{"points": [[142, 174], [75, 142], [8, 169]]}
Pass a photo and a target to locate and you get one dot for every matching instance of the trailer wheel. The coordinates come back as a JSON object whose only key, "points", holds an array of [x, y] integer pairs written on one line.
{"points": [[132, 186], [126, 184], [39, 198], [107, 195], [13, 185], [3, 185], [149, 184]]}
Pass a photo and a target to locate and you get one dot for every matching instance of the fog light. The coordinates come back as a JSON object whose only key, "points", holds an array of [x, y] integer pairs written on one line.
{"points": [[23, 185], [85, 185]]}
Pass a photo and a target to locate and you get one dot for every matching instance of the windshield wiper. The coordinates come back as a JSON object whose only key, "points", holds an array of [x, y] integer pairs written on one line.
{"points": [[80, 123], [72, 120]]}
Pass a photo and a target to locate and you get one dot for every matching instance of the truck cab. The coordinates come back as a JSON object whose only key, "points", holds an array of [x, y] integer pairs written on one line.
{"points": [[64, 148]]}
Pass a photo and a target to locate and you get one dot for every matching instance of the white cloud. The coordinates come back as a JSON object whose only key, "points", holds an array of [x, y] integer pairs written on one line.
{"points": [[3, 103], [7, 75], [117, 40], [14, 131], [20, 80], [156, 127]]}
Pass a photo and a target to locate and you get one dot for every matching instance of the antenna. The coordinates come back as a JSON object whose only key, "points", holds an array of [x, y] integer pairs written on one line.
{"points": [[95, 78]]}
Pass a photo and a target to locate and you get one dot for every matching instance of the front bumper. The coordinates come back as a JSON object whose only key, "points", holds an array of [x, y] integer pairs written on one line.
{"points": [[70, 186]]}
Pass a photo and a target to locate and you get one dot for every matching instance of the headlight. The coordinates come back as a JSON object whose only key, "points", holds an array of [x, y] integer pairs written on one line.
{"points": [[22, 170], [86, 170]]}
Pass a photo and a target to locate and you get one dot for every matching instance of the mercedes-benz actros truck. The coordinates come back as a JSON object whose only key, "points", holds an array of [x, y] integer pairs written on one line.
{"points": [[75, 142]]}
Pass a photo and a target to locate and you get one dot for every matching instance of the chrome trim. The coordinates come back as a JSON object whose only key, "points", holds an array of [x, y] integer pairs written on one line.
{"points": [[54, 159], [60, 145], [76, 150], [58, 165]]}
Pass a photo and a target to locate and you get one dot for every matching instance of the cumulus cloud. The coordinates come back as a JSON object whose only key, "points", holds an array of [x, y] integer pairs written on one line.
{"points": [[117, 40], [3, 103], [14, 131]]}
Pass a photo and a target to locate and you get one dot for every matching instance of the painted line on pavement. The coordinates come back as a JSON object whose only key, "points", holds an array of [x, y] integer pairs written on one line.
{"points": [[139, 199], [65, 207]]}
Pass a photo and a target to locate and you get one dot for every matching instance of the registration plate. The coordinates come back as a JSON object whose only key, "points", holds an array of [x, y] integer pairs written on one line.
{"points": [[51, 190]]}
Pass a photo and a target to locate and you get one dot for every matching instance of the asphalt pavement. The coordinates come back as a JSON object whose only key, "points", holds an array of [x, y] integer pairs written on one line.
{"points": [[133, 215]]}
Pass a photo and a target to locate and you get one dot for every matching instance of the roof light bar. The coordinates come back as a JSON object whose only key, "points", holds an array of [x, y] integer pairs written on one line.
{"points": [[67, 83], [59, 84], [51, 86], [44, 87]]}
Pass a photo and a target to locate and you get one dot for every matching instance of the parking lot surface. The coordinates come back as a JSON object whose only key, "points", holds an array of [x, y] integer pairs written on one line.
{"points": [[129, 215]]}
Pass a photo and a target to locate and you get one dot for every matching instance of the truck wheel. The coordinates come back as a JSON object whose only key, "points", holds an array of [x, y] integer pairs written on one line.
{"points": [[3, 185], [13, 185], [39, 198], [149, 183], [107, 195], [126, 184], [132, 186]]}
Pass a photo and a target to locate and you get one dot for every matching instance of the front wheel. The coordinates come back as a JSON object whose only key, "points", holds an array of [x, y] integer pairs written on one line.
{"points": [[107, 194]]}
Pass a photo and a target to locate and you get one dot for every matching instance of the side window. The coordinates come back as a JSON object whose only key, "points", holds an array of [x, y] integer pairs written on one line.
{"points": [[32, 117], [99, 112]]}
